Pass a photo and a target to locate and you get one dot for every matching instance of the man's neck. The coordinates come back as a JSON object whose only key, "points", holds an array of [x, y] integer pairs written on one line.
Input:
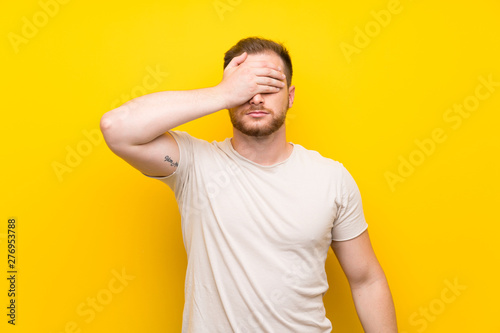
{"points": [[268, 150]]}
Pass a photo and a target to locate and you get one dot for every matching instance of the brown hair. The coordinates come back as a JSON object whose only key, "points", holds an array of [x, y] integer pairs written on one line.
{"points": [[255, 45]]}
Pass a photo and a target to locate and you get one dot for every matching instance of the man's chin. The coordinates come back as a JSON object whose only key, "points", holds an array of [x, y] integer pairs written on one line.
{"points": [[257, 126], [256, 130]]}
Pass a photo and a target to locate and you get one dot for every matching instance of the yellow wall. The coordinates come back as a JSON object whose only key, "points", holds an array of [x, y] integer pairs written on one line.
{"points": [[379, 87]]}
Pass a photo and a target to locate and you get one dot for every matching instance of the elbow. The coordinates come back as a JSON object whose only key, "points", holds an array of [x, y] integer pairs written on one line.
{"points": [[110, 128], [106, 123], [373, 278]]}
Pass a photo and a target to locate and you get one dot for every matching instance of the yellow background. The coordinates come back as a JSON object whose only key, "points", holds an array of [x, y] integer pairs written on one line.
{"points": [[78, 228]]}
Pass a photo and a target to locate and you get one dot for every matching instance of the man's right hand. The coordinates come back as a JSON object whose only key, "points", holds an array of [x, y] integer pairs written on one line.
{"points": [[136, 130], [243, 79]]}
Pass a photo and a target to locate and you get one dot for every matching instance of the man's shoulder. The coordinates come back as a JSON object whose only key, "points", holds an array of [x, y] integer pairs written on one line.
{"points": [[183, 137], [317, 158]]}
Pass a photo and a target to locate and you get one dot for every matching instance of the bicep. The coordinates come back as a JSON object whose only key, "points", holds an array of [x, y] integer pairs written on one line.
{"points": [[357, 259], [159, 157]]}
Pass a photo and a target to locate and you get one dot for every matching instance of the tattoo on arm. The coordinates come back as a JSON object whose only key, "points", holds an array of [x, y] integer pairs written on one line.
{"points": [[172, 163]]}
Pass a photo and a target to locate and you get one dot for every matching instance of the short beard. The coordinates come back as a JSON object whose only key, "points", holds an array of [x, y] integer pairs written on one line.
{"points": [[258, 130]]}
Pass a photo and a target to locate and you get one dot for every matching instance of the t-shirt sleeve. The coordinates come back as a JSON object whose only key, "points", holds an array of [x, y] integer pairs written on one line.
{"points": [[185, 143], [350, 221]]}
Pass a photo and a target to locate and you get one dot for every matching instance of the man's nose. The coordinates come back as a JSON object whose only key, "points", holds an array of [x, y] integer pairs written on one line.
{"points": [[257, 99]]}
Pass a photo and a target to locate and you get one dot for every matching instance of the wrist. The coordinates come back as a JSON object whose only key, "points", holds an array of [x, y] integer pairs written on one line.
{"points": [[220, 97]]}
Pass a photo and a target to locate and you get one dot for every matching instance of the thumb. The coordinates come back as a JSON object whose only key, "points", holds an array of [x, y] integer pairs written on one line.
{"points": [[236, 61]]}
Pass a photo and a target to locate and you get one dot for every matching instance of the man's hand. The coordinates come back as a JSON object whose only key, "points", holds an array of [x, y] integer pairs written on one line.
{"points": [[370, 291], [244, 79]]}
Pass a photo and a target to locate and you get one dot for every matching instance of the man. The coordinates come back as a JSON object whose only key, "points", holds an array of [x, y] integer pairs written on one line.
{"points": [[258, 213]]}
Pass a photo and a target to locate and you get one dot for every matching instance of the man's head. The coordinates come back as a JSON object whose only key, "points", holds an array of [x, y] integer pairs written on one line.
{"points": [[256, 45], [263, 114]]}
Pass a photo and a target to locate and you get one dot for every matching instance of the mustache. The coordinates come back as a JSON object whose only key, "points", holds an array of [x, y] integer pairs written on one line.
{"points": [[258, 108]]}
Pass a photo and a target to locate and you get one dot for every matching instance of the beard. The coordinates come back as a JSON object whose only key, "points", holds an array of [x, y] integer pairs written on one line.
{"points": [[258, 127]]}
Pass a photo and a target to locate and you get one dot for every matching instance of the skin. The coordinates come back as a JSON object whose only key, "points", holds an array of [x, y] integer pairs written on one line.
{"points": [[136, 132], [369, 287], [262, 139]]}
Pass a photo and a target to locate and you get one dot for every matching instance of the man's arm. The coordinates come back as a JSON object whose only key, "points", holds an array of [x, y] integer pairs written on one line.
{"points": [[136, 130], [369, 287]]}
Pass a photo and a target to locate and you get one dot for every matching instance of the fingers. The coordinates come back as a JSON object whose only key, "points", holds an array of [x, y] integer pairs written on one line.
{"points": [[268, 74], [270, 82], [254, 76], [268, 89], [264, 64], [236, 61], [271, 73]]}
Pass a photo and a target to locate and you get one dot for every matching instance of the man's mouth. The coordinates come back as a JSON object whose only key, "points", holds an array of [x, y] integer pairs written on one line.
{"points": [[257, 113]]}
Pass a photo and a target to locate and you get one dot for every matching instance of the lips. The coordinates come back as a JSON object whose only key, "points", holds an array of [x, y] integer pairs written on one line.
{"points": [[257, 113]]}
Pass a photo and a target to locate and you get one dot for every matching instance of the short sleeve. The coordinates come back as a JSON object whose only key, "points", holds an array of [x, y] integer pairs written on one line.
{"points": [[350, 221], [185, 143]]}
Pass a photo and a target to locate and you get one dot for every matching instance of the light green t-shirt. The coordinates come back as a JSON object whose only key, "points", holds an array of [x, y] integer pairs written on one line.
{"points": [[257, 237]]}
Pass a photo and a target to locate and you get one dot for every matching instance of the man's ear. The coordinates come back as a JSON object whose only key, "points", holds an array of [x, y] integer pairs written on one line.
{"points": [[291, 96]]}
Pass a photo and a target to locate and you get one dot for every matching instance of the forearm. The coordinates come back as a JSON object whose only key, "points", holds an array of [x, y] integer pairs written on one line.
{"points": [[375, 306], [144, 118]]}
